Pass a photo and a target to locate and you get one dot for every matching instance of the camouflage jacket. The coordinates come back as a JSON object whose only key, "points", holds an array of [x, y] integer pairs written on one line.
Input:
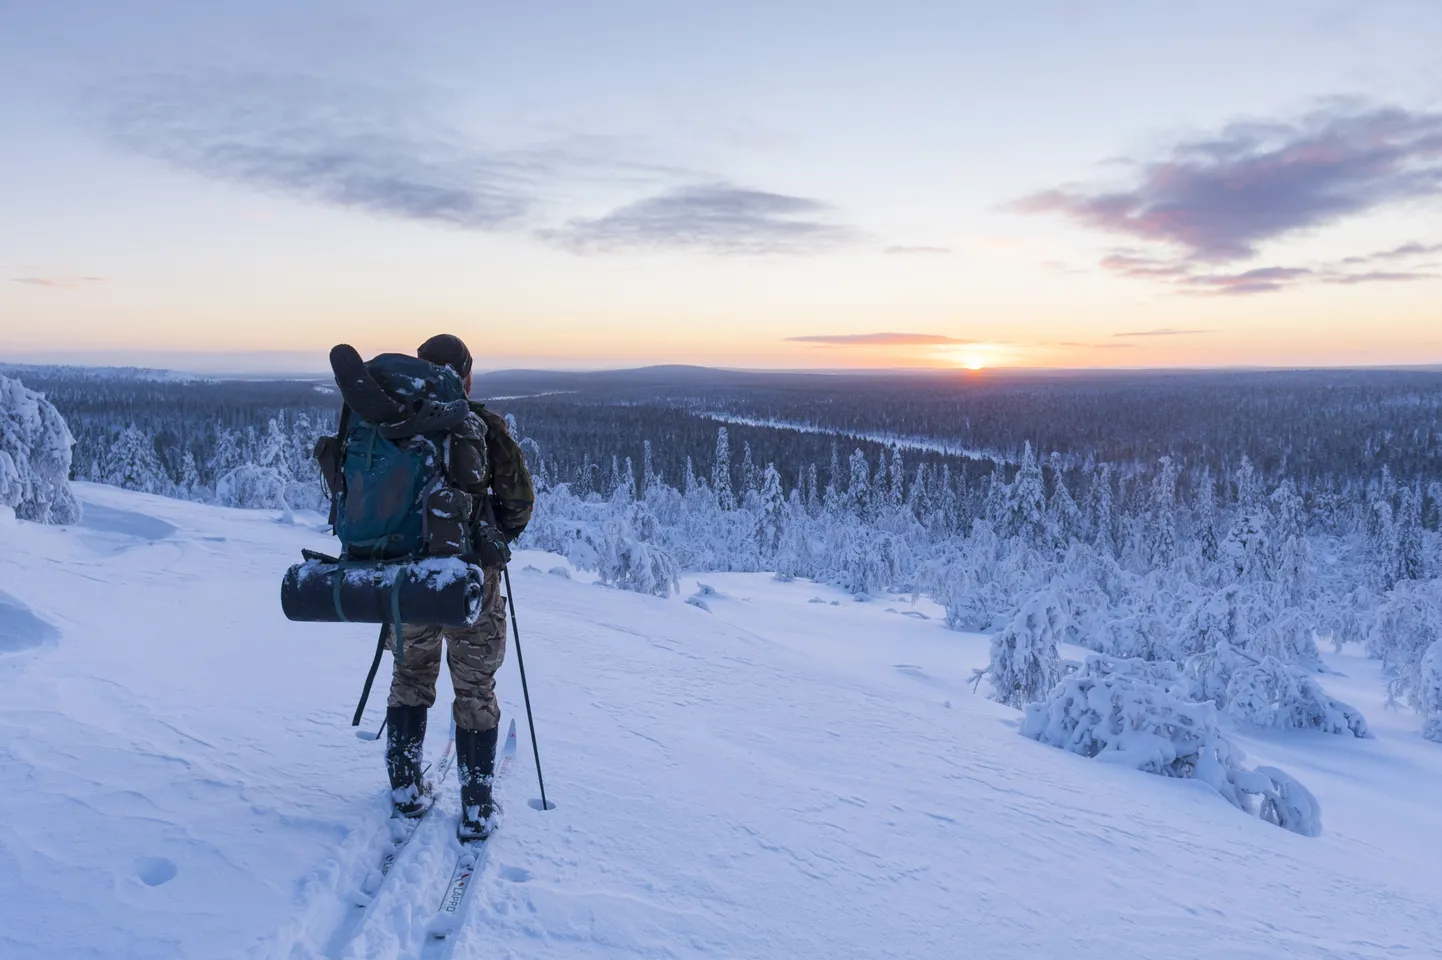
{"points": [[508, 480]]}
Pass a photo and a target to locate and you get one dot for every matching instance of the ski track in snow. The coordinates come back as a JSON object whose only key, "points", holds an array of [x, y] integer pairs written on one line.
{"points": [[774, 778]]}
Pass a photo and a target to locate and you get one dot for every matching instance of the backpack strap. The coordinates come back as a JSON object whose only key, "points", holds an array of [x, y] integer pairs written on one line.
{"points": [[342, 429]]}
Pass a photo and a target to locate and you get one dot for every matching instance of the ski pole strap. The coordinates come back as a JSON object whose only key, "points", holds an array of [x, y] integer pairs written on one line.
{"points": [[335, 591], [397, 633], [370, 677]]}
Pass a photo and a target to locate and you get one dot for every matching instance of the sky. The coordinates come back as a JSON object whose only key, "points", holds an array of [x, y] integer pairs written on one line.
{"points": [[224, 186]]}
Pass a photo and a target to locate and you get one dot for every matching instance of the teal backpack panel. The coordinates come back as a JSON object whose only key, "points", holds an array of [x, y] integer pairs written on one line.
{"points": [[381, 515]]}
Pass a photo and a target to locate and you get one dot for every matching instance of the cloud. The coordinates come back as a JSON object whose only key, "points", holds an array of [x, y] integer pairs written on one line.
{"points": [[1133, 265], [879, 339], [1160, 332], [1379, 276], [1216, 199], [58, 283], [380, 151], [1097, 346], [1261, 280], [904, 250], [710, 218], [344, 146], [1189, 280], [1404, 252]]}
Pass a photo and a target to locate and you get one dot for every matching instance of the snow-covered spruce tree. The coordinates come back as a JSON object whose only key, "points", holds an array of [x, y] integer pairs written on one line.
{"points": [[190, 487], [1026, 501], [1381, 544], [1163, 532], [858, 490], [1063, 515], [226, 456], [1411, 560], [1209, 536], [1025, 663], [131, 463], [771, 516], [35, 451], [1246, 552], [1405, 627], [1124, 712], [1099, 498], [721, 471]]}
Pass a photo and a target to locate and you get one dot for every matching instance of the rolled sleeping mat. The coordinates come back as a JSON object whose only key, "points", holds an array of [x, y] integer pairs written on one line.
{"points": [[443, 591]]}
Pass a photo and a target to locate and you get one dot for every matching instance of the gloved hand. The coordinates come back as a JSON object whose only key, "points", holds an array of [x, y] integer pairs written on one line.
{"points": [[492, 548]]}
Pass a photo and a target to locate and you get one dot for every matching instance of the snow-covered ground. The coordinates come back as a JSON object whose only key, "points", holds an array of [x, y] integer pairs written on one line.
{"points": [[774, 777]]}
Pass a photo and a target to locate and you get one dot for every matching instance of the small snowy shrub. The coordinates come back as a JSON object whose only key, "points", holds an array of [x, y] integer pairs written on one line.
{"points": [[1269, 693], [1024, 659], [251, 487], [1428, 695], [1280, 800], [1113, 711], [35, 447], [632, 564], [1406, 627]]}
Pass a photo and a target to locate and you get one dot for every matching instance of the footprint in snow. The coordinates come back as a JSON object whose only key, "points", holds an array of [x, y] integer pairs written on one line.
{"points": [[154, 871]]}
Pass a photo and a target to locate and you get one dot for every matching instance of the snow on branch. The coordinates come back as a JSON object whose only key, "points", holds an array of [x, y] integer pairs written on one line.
{"points": [[35, 446]]}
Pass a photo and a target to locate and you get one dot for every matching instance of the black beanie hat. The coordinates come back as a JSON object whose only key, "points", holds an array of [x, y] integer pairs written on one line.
{"points": [[447, 350]]}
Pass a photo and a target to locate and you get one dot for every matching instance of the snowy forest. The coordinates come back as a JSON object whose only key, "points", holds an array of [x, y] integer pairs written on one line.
{"points": [[1169, 550]]}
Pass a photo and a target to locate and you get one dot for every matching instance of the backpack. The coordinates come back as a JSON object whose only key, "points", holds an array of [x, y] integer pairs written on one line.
{"points": [[395, 474]]}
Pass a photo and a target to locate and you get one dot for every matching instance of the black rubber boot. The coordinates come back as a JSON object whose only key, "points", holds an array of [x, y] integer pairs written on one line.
{"points": [[475, 765], [405, 737]]}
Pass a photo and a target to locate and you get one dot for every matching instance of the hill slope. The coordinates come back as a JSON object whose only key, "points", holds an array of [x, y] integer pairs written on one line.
{"points": [[774, 777]]}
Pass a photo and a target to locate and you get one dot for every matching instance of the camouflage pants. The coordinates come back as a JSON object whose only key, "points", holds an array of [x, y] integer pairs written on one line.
{"points": [[474, 653]]}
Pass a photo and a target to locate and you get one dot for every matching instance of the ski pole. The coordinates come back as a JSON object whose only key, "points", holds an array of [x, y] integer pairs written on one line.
{"points": [[525, 691], [366, 690]]}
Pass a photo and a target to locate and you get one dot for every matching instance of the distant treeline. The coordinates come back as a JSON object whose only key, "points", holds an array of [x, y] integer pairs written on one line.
{"points": [[1331, 433]]}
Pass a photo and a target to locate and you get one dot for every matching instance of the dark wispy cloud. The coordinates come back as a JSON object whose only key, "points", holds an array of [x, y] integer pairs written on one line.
{"points": [[1404, 252], [1189, 278], [1216, 199], [1260, 280], [58, 283], [910, 250], [1160, 332], [711, 218], [878, 339], [344, 146], [1379, 276]]}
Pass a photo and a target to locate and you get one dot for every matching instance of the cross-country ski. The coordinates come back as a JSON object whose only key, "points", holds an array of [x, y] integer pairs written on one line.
{"points": [[470, 862], [401, 831]]}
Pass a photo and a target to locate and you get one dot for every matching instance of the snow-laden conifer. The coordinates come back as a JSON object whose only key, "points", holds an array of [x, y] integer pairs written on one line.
{"points": [[35, 452], [1025, 663]]}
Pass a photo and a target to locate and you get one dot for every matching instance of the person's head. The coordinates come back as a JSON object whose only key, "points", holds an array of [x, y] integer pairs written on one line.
{"points": [[448, 350]]}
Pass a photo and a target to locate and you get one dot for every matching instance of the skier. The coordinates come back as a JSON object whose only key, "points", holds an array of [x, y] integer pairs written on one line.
{"points": [[474, 653]]}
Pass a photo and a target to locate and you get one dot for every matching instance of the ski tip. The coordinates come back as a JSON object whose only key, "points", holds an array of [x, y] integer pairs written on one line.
{"points": [[511, 739]]}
